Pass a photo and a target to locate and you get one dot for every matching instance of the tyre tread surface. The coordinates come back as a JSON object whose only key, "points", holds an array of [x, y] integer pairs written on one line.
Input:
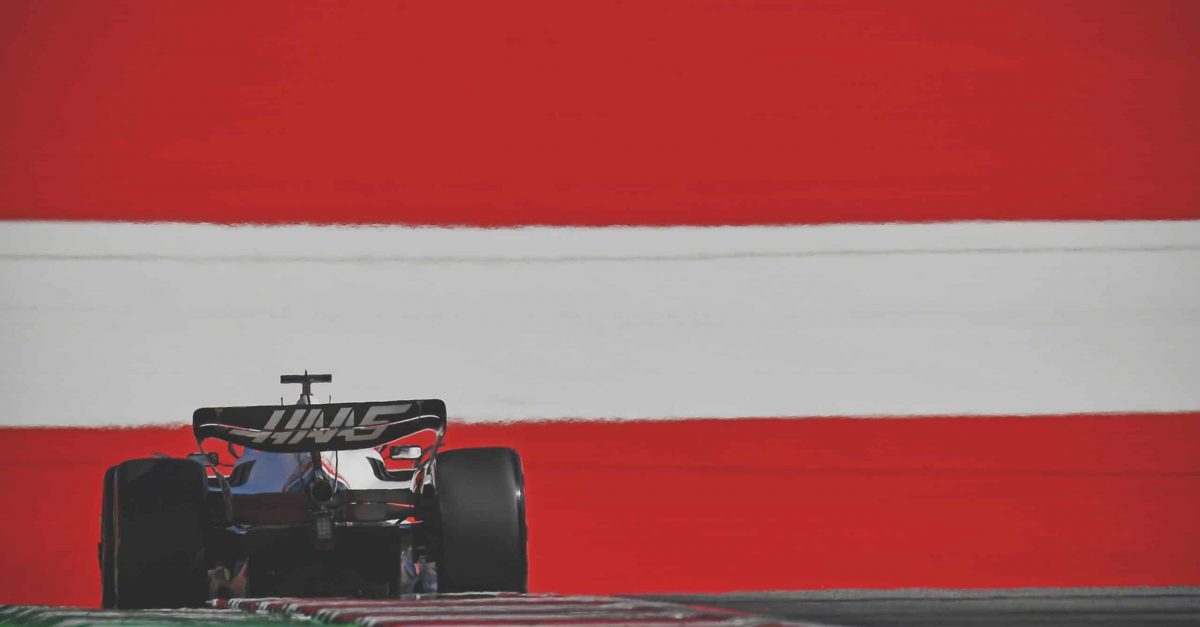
{"points": [[481, 503], [159, 516]]}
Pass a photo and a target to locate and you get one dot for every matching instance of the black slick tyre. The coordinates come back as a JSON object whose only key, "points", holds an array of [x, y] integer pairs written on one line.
{"points": [[481, 508], [158, 531]]}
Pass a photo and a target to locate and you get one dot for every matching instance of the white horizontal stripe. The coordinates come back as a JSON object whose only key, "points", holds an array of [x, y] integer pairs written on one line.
{"points": [[131, 324], [208, 242]]}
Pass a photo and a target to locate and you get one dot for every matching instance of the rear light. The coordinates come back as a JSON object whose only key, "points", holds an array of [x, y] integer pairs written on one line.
{"points": [[323, 524]]}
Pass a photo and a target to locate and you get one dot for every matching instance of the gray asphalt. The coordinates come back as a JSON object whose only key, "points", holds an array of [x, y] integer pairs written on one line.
{"points": [[1066, 607]]}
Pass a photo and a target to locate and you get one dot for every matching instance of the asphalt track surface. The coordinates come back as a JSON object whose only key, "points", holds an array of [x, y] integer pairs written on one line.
{"points": [[1110, 607]]}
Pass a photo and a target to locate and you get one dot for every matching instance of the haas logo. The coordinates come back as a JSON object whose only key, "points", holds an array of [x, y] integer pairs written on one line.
{"points": [[313, 423]]}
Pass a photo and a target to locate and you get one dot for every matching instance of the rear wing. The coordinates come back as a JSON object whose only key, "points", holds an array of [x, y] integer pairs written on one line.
{"points": [[330, 427]]}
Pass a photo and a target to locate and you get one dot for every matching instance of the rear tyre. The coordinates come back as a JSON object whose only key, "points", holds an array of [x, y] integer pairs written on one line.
{"points": [[481, 506], [158, 532], [107, 542]]}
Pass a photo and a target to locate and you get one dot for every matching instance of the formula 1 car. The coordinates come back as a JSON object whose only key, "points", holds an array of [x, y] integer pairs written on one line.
{"points": [[313, 505]]}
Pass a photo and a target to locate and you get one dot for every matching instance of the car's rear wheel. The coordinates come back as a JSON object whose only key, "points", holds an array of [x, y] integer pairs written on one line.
{"points": [[158, 531], [481, 509]]}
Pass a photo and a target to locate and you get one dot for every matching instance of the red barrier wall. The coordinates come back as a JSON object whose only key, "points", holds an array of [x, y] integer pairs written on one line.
{"points": [[597, 113], [713, 505]]}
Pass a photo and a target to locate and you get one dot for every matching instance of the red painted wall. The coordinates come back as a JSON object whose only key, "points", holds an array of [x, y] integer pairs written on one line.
{"points": [[677, 112], [712, 505]]}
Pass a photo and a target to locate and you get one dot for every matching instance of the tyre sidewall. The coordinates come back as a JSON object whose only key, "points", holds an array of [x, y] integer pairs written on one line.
{"points": [[107, 542]]}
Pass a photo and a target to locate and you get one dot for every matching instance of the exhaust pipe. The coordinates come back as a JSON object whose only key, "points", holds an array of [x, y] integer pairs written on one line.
{"points": [[321, 491]]}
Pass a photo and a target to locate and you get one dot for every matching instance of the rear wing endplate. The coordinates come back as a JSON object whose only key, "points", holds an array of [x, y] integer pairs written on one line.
{"points": [[330, 427]]}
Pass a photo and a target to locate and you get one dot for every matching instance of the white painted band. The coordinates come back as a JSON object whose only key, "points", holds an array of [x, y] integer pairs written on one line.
{"points": [[132, 323]]}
